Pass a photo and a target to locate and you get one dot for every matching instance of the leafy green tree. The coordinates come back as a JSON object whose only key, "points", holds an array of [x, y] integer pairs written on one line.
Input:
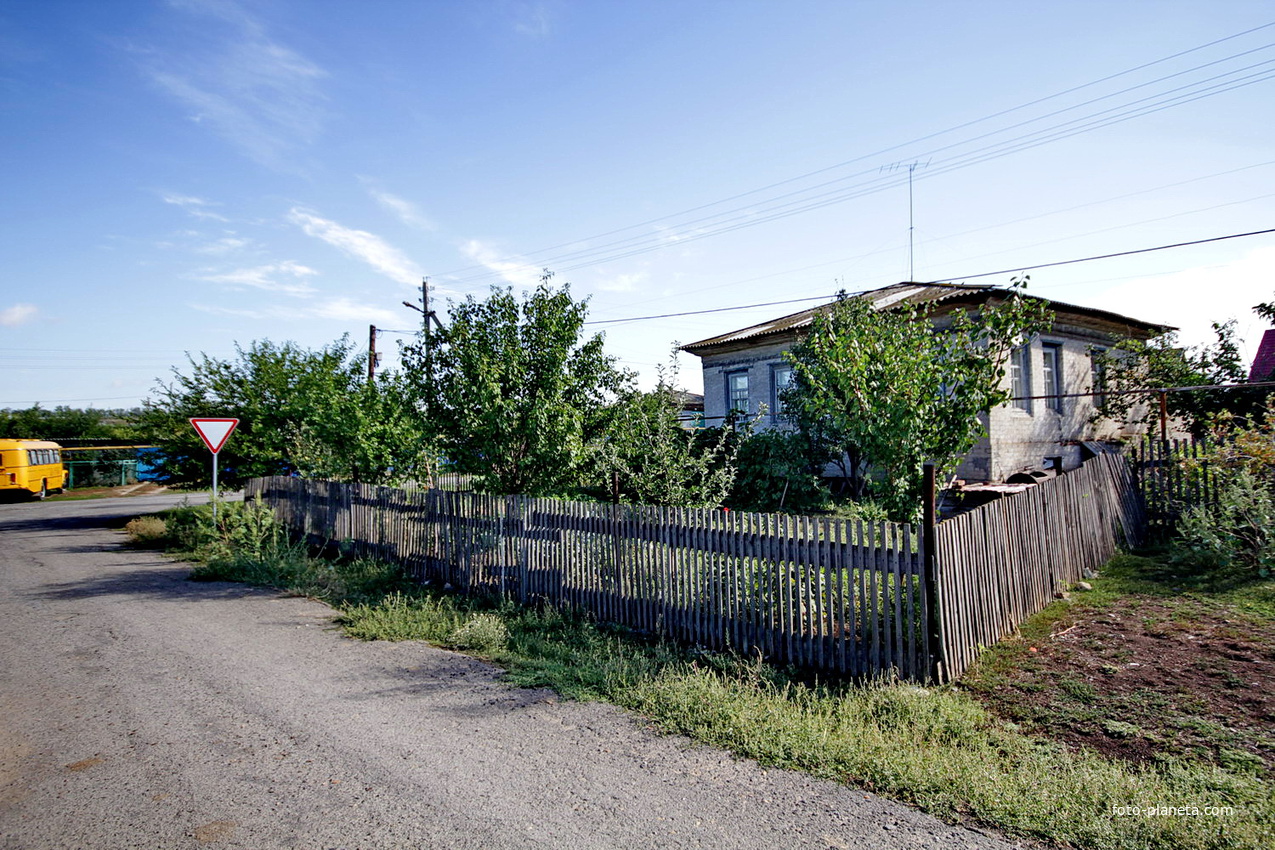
{"points": [[1163, 363], [1266, 310], [903, 392], [514, 390], [303, 412], [653, 460], [780, 470]]}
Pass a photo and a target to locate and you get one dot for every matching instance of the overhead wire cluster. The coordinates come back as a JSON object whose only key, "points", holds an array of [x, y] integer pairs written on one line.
{"points": [[1013, 270], [1203, 80]]}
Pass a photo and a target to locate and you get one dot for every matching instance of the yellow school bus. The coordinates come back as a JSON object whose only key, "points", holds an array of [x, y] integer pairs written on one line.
{"points": [[31, 465]]}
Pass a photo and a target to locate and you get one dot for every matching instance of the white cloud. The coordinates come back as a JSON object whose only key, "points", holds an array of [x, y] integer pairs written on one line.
{"points": [[510, 269], [404, 209], [345, 310], [621, 282], [266, 277], [224, 245], [218, 310], [198, 207], [1194, 298], [349, 310], [18, 314], [260, 96], [360, 244]]}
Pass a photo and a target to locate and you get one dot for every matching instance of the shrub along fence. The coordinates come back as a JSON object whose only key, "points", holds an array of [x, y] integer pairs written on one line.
{"points": [[821, 593], [1003, 562]]}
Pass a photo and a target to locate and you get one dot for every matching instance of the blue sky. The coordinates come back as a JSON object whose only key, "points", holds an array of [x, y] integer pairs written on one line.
{"points": [[181, 176]]}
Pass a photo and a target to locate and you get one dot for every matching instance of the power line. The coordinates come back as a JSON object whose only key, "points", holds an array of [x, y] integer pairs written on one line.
{"points": [[714, 310], [803, 201], [953, 279], [749, 218], [1108, 256], [1034, 217], [901, 145]]}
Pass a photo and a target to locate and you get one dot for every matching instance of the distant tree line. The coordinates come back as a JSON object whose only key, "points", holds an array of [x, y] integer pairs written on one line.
{"points": [[38, 423]]}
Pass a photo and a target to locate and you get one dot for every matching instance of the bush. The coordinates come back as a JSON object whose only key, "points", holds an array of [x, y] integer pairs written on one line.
{"points": [[862, 511], [482, 633], [147, 531], [1235, 534], [190, 527], [776, 470]]}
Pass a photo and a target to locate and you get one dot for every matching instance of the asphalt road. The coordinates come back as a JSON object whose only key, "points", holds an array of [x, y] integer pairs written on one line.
{"points": [[140, 710]]}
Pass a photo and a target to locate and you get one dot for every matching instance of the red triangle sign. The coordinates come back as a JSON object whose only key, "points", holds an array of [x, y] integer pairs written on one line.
{"points": [[214, 432]]}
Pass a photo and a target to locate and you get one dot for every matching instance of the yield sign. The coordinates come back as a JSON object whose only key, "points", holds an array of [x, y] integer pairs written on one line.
{"points": [[214, 432]]}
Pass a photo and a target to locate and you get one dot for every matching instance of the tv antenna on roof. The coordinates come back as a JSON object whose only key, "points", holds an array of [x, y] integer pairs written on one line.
{"points": [[911, 167]]}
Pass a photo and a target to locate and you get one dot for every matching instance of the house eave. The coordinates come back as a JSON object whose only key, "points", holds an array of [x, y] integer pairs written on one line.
{"points": [[944, 298]]}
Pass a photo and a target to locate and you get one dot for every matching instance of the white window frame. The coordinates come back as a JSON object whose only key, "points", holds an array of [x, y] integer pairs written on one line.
{"points": [[731, 407], [777, 407], [1020, 374], [1053, 375]]}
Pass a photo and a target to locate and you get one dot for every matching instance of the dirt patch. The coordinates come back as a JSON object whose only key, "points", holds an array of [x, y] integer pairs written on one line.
{"points": [[1145, 679]]}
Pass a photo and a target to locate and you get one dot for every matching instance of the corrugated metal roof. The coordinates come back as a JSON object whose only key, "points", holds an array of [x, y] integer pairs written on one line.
{"points": [[908, 293]]}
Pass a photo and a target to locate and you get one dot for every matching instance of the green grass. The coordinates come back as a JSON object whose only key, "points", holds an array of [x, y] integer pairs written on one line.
{"points": [[935, 748]]}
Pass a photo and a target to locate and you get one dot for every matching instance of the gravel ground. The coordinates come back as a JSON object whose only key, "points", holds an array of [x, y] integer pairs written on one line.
{"points": [[139, 710]]}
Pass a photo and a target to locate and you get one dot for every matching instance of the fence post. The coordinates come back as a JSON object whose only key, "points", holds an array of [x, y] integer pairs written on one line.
{"points": [[929, 541]]}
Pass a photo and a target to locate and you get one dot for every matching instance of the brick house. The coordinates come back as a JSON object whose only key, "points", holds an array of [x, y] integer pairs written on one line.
{"points": [[745, 370]]}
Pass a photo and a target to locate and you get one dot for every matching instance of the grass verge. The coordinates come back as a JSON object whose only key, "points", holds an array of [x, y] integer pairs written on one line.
{"points": [[936, 748]]}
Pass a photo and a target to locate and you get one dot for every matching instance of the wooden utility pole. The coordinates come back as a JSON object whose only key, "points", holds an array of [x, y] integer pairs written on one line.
{"points": [[371, 353], [427, 342], [426, 314]]}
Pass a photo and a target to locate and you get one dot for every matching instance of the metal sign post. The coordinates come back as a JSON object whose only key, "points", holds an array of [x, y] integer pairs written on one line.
{"points": [[214, 433]]}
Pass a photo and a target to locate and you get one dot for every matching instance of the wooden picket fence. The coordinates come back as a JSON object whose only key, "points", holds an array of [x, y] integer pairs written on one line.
{"points": [[821, 593], [850, 598], [1003, 562]]}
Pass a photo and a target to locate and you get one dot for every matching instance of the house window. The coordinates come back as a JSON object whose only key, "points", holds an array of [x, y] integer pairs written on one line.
{"points": [[780, 380], [1098, 375], [1020, 376], [737, 392], [1052, 352]]}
